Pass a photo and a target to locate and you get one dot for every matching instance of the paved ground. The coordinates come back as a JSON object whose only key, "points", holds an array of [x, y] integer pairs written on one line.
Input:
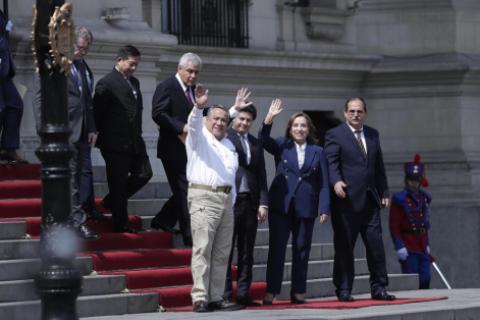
{"points": [[462, 304]]}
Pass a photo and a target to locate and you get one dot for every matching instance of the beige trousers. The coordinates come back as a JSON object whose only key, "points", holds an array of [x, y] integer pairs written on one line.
{"points": [[211, 216]]}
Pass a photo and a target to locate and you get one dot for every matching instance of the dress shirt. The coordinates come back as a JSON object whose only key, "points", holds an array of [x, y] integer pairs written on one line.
{"points": [[185, 88], [362, 136], [210, 161], [300, 153]]}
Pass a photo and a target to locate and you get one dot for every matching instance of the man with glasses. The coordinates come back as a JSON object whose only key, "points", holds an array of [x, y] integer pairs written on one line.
{"points": [[357, 175], [83, 136]]}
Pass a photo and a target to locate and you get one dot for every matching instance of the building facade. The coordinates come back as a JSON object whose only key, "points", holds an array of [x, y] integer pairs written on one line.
{"points": [[417, 63]]}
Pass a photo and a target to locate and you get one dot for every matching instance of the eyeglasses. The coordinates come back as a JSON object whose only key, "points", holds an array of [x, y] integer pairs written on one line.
{"points": [[356, 111], [82, 48]]}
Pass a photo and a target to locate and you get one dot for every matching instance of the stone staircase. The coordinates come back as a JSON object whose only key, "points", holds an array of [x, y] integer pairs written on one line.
{"points": [[125, 273]]}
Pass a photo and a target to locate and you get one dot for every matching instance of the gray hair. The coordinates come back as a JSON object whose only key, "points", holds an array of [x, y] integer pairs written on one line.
{"points": [[217, 106], [84, 33], [190, 57]]}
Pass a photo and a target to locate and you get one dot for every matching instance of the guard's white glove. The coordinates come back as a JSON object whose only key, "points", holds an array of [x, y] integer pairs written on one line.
{"points": [[9, 26], [428, 249], [402, 254]]}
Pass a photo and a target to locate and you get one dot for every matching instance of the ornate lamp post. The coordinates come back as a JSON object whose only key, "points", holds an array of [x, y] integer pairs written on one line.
{"points": [[58, 282]]}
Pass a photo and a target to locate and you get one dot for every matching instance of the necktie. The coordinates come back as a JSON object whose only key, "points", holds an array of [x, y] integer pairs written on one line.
{"points": [[187, 94], [246, 147], [358, 137]]}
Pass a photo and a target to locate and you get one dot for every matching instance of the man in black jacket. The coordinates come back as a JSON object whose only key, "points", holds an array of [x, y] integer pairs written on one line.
{"points": [[251, 204], [172, 102], [118, 110]]}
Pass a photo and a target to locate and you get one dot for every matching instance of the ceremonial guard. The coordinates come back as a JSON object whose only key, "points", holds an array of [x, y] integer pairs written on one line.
{"points": [[410, 222]]}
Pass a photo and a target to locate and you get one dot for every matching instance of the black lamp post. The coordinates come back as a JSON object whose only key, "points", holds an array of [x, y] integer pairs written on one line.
{"points": [[59, 282]]}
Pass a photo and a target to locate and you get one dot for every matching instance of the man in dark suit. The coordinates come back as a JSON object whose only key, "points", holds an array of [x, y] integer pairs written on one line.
{"points": [[84, 132], [251, 204], [172, 102], [118, 116], [11, 104], [358, 178]]}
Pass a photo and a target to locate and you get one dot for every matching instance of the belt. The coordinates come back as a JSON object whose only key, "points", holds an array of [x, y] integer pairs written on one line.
{"points": [[224, 189], [415, 231]]}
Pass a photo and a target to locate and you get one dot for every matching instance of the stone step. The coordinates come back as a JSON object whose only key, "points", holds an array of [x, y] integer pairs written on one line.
{"points": [[19, 248], [87, 306], [316, 269], [461, 304], [152, 190], [145, 207], [21, 269], [324, 287], [319, 251], [23, 290], [12, 230]]}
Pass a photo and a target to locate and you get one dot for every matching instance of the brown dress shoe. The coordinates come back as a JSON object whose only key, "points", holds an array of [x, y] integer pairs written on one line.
{"points": [[200, 306]]}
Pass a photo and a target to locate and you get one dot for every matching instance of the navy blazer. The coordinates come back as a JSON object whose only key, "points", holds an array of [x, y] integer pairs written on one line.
{"points": [[307, 186], [254, 171], [363, 176]]}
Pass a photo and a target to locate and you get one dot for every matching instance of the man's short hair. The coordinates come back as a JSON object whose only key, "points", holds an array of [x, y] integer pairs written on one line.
{"points": [[251, 110], [190, 57], [128, 51], [84, 33], [356, 98], [216, 106]]}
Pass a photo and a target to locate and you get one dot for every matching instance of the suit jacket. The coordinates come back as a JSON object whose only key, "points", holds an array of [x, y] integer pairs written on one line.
{"points": [[80, 109], [363, 176], [9, 95], [307, 186], [118, 115], [254, 171], [170, 110]]}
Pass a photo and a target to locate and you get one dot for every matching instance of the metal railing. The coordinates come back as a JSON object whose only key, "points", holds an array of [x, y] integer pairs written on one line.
{"points": [[213, 23]]}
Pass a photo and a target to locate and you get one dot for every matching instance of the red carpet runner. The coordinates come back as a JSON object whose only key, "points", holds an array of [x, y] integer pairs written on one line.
{"points": [[147, 259], [332, 304]]}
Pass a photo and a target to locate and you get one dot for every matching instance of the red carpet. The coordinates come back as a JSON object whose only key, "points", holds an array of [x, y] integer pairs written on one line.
{"points": [[136, 259], [178, 298], [147, 259], [331, 304], [335, 304], [19, 171]]}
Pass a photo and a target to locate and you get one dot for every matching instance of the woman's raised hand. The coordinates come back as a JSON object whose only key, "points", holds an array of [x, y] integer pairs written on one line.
{"points": [[275, 108]]}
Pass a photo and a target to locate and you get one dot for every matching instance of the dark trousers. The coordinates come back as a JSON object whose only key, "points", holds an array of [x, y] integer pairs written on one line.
{"points": [[418, 263], [175, 169], [244, 233], [10, 119], [126, 174], [86, 192], [346, 227], [78, 216], [280, 227]]}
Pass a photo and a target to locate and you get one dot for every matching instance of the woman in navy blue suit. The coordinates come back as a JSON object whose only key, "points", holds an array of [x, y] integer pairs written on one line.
{"points": [[298, 194]]}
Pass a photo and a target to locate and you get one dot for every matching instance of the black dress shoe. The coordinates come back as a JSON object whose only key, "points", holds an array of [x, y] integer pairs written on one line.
{"points": [[187, 241], [86, 233], [223, 305], [295, 300], [267, 302], [106, 204], [247, 302], [96, 215], [345, 297], [200, 306], [124, 229], [158, 225], [383, 295]]}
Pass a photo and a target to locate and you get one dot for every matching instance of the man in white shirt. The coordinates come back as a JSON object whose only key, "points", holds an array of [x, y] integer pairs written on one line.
{"points": [[211, 167]]}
